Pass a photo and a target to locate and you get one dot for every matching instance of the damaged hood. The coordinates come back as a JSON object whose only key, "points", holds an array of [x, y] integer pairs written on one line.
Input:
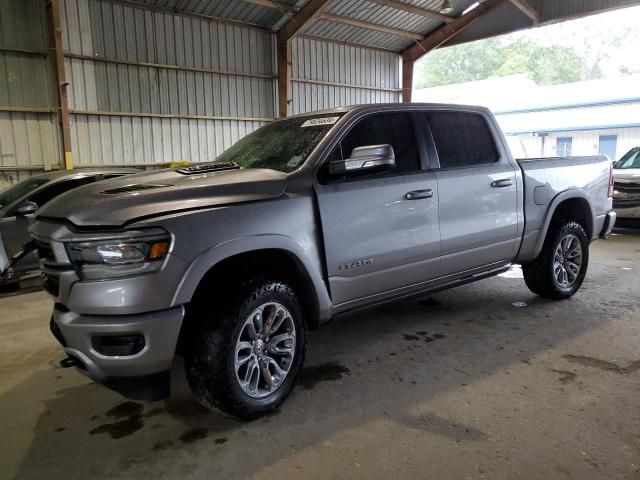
{"points": [[121, 200]]}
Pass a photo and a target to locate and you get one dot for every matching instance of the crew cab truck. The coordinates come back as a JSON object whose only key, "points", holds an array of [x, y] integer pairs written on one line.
{"points": [[228, 264]]}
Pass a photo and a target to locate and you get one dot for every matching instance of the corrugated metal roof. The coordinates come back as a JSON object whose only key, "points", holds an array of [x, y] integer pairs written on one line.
{"points": [[236, 10], [375, 13], [361, 10], [504, 18]]}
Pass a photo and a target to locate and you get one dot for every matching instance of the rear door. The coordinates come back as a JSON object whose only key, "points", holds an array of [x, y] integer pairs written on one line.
{"points": [[477, 193], [377, 237]]}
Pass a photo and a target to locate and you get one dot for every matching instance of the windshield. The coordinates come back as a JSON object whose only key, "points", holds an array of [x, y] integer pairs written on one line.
{"points": [[630, 160], [282, 145], [14, 193]]}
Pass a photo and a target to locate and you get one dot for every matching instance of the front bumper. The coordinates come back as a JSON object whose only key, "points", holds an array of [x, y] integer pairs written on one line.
{"points": [[609, 222], [160, 331]]}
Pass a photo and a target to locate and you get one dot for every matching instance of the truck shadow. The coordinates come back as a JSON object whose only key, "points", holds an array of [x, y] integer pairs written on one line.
{"points": [[378, 364]]}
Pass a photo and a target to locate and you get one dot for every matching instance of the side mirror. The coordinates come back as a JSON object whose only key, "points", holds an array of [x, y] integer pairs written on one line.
{"points": [[363, 159], [26, 208]]}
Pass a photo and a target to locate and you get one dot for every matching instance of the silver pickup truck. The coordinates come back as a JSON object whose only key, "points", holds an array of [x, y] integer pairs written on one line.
{"points": [[229, 263]]}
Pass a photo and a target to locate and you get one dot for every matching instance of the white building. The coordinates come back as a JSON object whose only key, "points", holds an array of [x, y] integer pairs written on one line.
{"points": [[583, 118]]}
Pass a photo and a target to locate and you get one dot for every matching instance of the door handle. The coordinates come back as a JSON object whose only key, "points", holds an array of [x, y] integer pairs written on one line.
{"points": [[505, 182], [419, 194]]}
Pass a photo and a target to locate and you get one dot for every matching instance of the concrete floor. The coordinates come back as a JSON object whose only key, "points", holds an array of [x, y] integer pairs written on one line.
{"points": [[464, 385]]}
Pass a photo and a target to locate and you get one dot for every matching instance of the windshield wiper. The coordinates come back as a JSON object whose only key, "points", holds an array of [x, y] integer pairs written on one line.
{"points": [[208, 167]]}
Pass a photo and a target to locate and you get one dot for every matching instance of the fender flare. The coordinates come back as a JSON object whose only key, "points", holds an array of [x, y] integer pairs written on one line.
{"points": [[553, 206], [214, 255]]}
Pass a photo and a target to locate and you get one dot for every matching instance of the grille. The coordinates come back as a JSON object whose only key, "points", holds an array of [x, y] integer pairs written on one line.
{"points": [[634, 203], [627, 187]]}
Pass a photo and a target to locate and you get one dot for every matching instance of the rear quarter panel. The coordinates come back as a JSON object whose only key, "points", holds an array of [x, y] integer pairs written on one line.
{"points": [[550, 181]]}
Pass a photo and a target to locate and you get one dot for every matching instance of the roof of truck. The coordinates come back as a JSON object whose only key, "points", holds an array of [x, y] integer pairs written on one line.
{"points": [[390, 106]]}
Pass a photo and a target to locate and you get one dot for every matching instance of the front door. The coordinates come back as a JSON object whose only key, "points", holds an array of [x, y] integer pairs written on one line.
{"points": [[378, 235], [478, 194]]}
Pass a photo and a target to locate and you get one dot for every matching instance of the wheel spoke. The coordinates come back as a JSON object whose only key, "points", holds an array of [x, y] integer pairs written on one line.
{"points": [[573, 268], [242, 359], [268, 324], [249, 373], [251, 329], [266, 374], [279, 373], [281, 316], [282, 344]]}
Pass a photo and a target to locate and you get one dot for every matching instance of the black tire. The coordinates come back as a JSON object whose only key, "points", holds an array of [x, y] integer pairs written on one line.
{"points": [[210, 358], [539, 274]]}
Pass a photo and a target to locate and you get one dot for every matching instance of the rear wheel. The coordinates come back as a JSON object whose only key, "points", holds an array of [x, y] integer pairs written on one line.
{"points": [[559, 270], [245, 360]]}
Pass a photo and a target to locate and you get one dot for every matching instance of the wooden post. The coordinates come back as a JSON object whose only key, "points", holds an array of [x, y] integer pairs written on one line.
{"points": [[294, 25], [53, 7], [284, 77], [407, 80]]}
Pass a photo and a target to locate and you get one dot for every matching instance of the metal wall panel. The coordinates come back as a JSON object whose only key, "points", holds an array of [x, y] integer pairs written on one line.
{"points": [[326, 74], [28, 126], [153, 87], [115, 140]]}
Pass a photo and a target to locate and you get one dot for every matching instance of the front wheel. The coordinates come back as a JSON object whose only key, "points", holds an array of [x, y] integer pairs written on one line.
{"points": [[246, 360], [559, 270]]}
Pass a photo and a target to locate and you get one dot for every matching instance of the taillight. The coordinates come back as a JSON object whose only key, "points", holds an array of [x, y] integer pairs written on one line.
{"points": [[611, 180]]}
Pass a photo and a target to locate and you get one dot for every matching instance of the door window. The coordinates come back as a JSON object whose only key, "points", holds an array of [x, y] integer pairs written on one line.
{"points": [[462, 139], [395, 129], [607, 145], [563, 146]]}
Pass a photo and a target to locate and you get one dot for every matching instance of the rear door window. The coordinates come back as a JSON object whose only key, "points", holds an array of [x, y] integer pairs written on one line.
{"points": [[462, 139]]}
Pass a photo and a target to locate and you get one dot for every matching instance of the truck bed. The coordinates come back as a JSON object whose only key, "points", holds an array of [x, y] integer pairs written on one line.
{"points": [[547, 181]]}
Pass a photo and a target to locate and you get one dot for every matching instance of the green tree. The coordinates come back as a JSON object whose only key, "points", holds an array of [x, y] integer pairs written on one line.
{"points": [[495, 57]]}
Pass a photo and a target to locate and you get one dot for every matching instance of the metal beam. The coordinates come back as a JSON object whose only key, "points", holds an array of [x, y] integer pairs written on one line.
{"points": [[164, 66], [283, 7], [413, 9], [300, 20], [293, 26], [53, 8], [369, 26], [447, 32], [185, 13], [436, 39], [528, 10], [321, 38]]}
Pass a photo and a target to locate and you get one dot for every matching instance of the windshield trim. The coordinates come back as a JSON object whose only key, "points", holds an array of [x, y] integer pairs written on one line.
{"points": [[630, 154]]}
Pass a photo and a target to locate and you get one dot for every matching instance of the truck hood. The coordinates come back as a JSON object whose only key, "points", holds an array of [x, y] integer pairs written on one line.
{"points": [[627, 174], [120, 200]]}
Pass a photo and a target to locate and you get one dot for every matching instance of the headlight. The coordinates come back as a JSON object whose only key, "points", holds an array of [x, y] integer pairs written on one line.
{"points": [[118, 258]]}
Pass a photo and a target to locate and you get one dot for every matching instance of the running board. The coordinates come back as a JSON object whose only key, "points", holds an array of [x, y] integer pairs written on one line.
{"points": [[425, 291]]}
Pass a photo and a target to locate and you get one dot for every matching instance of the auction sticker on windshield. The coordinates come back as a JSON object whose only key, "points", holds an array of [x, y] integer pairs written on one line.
{"points": [[314, 122]]}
